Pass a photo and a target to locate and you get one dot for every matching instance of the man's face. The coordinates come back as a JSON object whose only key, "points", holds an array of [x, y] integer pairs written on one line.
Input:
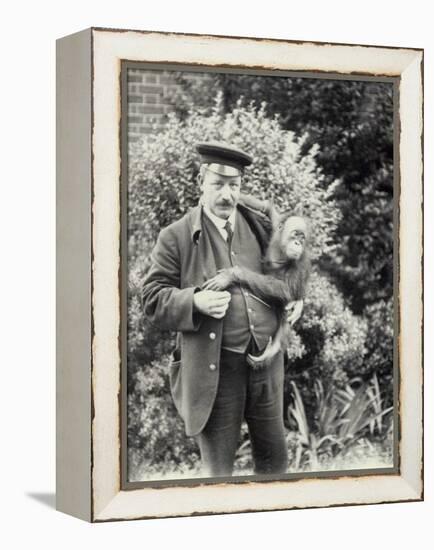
{"points": [[220, 193]]}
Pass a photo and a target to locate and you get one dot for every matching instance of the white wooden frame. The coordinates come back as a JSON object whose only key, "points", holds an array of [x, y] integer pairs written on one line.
{"points": [[88, 357]]}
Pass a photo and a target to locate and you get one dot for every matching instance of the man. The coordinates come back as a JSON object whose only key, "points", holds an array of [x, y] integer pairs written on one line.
{"points": [[212, 385]]}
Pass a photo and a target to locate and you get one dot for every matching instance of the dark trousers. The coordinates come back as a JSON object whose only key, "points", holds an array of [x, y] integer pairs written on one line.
{"points": [[255, 395]]}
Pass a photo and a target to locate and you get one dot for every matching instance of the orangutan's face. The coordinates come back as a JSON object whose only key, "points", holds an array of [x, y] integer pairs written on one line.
{"points": [[293, 237]]}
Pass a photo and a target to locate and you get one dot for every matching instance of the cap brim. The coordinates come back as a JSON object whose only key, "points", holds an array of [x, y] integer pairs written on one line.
{"points": [[223, 170]]}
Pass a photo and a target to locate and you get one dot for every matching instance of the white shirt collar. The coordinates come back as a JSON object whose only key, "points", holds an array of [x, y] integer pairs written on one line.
{"points": [[220, 222]]}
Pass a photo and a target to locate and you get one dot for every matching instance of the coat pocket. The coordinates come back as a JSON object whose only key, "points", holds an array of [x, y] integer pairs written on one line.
{"points": [[175, 357], [175, 379]]}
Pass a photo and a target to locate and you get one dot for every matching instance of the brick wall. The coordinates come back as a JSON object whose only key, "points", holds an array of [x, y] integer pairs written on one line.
{"points": [[149, 99]]}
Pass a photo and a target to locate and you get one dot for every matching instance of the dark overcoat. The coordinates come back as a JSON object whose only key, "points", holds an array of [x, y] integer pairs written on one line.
{"points": [[181, 262]]}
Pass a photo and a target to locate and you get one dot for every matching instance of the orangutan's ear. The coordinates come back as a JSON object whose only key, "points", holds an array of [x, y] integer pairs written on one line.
{"points": [[298, 210], [286, 214]]}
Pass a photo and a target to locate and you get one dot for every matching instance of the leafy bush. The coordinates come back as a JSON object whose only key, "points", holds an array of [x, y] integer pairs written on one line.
{"points": [[333, 342], [156, 438], [379, 345]]}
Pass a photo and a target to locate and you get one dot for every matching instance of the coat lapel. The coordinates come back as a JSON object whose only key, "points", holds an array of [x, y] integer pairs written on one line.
{"points": [[203, 265]]}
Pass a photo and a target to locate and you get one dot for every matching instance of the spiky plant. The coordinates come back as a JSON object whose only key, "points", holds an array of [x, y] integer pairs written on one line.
{"points": [[341, 418]]}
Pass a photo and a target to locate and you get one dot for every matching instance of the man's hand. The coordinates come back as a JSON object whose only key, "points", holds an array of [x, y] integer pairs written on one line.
{"points": [[212, 303], [221, 281], [294, 311]]}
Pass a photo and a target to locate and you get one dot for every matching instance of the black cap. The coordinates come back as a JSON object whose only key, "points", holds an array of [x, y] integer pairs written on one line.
{"points": [[221, 154]]}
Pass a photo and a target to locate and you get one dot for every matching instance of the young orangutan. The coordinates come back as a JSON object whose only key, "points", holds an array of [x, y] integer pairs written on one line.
{"points": [[286, 272]]}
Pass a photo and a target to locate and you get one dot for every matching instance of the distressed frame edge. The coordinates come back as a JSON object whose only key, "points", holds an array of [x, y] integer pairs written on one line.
{"points": [[411, 119], [414, 493], [256, 39]]}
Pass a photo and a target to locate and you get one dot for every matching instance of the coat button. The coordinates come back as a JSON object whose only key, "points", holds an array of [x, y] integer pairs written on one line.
{"points": [[212, 367], [212, 335]]}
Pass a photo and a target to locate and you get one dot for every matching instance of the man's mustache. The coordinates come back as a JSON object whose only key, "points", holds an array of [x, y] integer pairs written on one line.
{"points": [[225, 203]]}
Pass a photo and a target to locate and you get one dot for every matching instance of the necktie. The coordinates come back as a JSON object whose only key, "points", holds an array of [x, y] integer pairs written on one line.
{"points": [[228, 229]]}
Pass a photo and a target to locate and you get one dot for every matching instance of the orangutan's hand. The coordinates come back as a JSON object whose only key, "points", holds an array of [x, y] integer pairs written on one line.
{"points": [[223, 280], [294, 311]]}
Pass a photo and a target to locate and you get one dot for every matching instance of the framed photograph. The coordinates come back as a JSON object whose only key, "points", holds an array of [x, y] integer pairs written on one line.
{"points": [[239, 274]]}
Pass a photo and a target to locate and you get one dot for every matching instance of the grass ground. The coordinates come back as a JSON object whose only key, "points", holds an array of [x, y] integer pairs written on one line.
{"points": [[363, 455]]}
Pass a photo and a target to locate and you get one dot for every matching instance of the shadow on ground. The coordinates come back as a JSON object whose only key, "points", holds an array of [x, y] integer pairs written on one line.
{"points": [[49, 499]]}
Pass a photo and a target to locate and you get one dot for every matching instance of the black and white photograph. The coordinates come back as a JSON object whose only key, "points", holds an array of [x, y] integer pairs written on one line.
{"points": [[260, 258], [217, 229]]}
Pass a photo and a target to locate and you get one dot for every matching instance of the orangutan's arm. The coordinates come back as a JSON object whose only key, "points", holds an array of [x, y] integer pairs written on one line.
{"points": [[266, 287], [263, 206]]}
